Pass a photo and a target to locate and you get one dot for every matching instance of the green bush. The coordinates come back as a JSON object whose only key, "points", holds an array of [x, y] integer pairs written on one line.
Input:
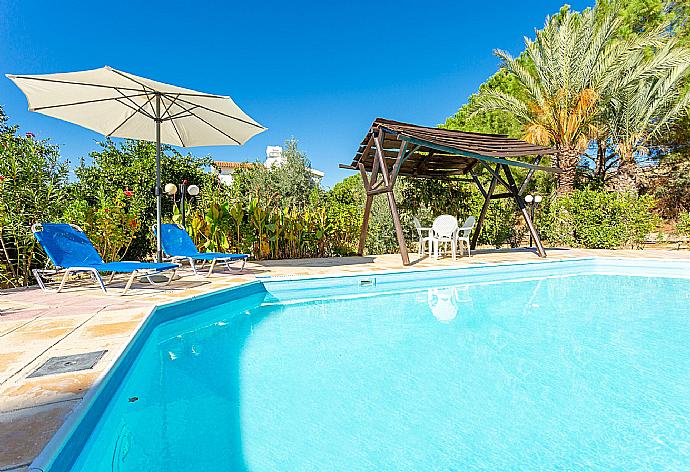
{"points": [[111, 224], [683, 225], [288, 185], [33, 184], [129, 167], [598, 219]]}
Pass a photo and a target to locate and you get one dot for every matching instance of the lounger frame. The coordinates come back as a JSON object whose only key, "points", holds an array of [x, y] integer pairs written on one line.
{"points": [[226, 261]]}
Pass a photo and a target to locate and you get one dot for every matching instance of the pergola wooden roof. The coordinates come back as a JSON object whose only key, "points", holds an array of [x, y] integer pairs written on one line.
{"points": [[437, 153], [392, 148]]}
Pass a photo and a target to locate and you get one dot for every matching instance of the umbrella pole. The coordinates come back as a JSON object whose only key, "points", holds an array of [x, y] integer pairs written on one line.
{"points": [[159, 196]]}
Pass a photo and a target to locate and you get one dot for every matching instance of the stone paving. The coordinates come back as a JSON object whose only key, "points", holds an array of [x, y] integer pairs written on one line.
{"points": [[35, 326]]}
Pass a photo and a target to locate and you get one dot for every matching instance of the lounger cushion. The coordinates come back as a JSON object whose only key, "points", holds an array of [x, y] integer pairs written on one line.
{"points": [[67, 247], [126, 267], [177, 243]]}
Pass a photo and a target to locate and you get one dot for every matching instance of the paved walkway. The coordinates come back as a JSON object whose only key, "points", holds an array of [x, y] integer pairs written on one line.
{"points": [[35, 326]]}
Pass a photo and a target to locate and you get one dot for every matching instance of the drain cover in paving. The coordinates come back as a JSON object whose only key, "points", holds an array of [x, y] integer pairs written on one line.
{"points": [[73, 363]]}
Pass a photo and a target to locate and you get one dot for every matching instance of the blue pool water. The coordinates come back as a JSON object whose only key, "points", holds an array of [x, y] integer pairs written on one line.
{"points": [[575, 368]]}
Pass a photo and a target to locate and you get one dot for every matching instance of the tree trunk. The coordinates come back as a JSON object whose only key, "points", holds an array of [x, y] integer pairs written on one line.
{"points": [[600, 167], [625, 179], [567, 159]]}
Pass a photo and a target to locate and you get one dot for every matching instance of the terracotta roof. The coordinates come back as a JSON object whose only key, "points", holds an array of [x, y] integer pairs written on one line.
{"points": [[441, 152], [234, 165]]}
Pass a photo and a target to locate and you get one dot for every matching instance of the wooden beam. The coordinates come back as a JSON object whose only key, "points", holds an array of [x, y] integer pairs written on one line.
{"points": [[365, 180], [377, 185], [378, 191], [367, 148], [523, 209], [528, 177], [436, 177], [485, 208], [496, 174], [378, 139], [479, 184], [496, 160], [374, 168], [398, 228], [365, 225], [401, 161], [502, 195], [422, 162]]}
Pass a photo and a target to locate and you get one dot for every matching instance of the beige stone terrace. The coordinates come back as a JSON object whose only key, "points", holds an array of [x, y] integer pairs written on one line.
{"points": [[35, 326]]}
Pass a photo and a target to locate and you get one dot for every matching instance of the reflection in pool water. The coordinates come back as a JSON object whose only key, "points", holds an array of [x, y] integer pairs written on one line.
{"points": [[443, 303]]}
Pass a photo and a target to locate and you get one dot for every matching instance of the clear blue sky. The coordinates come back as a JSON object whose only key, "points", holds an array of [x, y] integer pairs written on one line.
{"points": [[318, 71]]}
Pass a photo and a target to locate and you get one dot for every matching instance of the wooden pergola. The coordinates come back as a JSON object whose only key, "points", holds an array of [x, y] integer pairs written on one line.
{"points": [[391, 149]]}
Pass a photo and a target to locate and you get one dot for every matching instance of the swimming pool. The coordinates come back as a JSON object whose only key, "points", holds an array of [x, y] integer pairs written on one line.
{"points": [[580, 364]]}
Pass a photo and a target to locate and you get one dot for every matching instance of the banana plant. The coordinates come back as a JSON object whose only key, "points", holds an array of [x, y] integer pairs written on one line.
{"points": [[258, 215], [236, 212], [196, 225], [177, 215], [216, 219], [275, 230]]}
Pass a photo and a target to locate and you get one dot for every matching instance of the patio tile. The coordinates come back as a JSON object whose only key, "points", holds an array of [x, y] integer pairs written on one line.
{"points": [[9, 325], [43, 331], [13, 361], [24, 433], [98, 329], [49, 389]]}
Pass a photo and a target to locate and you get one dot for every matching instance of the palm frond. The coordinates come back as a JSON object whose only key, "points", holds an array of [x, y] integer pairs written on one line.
{"points": [[493, 100]]}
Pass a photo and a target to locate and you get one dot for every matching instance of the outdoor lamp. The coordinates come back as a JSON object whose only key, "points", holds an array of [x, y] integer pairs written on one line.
{"points": [[528, 198], [185, 189], [537, 198]]}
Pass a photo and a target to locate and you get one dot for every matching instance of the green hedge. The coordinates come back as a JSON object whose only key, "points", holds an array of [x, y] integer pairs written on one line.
{"points": [[683, 225], [598, 219]]}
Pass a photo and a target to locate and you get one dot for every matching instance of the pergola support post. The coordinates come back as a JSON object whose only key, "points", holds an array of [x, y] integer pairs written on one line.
{"points": [[398, 228], [523, 209], [365, 224], [373, 186], [485, 206]]}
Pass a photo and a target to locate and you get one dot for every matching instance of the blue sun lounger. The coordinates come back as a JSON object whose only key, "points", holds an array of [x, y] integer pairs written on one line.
{"points": [[71, 252], [178, 246]]}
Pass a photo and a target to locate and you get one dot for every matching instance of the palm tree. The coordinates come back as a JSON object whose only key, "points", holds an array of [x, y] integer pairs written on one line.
{"points": [[568, 65], [647, 98]]}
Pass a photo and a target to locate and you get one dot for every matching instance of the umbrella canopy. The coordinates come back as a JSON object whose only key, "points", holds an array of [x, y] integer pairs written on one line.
{"points": [[119, 104]]}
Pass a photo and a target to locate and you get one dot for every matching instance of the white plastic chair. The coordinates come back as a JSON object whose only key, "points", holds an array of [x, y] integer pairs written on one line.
{"points": [[423, 240], [464, 233], [444, 231]]}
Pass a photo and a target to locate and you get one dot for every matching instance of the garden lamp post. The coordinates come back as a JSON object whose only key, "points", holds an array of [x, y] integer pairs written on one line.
{"points": [[532, 201], [185, 189]]}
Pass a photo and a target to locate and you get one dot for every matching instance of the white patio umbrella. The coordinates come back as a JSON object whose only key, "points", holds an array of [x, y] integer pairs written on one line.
{"points": [[119, 104]]}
